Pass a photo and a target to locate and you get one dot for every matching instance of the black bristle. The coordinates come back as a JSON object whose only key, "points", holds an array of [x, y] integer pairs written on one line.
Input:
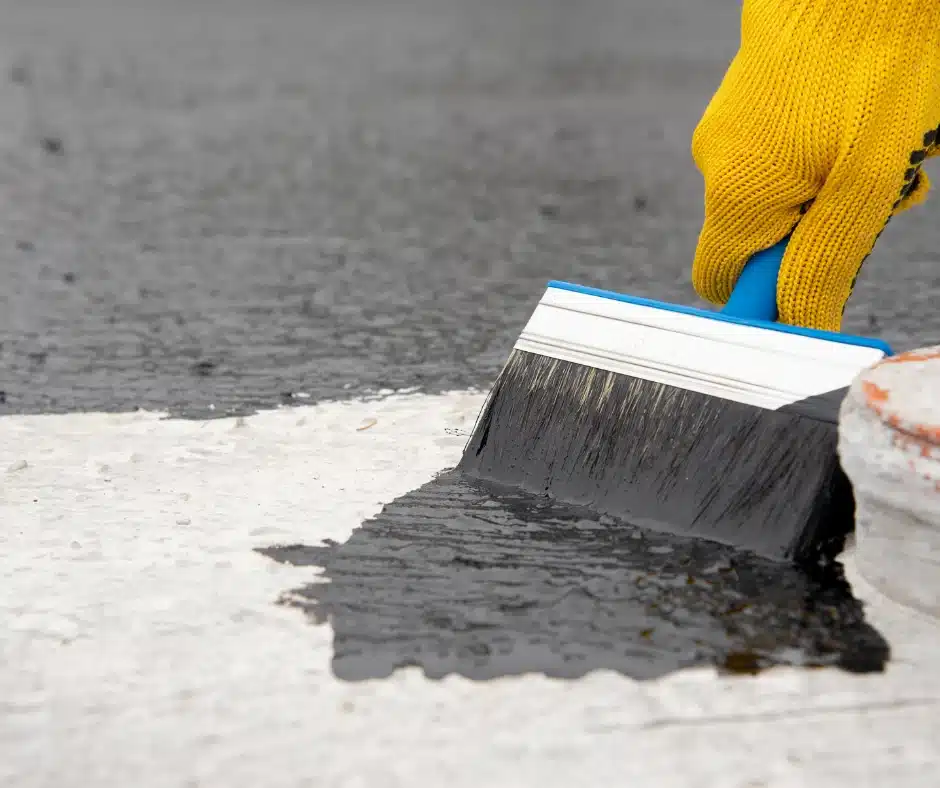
{"points": [[666, 458]]}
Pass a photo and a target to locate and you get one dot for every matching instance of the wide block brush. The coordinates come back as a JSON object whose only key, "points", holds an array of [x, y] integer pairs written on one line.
{"points": [[719, 425]]}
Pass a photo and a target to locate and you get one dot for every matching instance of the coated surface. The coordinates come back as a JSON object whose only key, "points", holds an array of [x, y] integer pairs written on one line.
{"points": [[226, 204], [461, 577]]}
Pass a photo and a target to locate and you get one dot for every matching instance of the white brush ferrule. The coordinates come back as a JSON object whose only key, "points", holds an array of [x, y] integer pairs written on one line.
{"points": [[750, 364]]}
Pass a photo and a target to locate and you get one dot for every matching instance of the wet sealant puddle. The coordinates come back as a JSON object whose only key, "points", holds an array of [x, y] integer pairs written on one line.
{"points": [[462, 577]]}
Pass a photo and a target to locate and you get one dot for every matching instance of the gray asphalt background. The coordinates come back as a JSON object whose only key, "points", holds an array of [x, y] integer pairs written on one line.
{"points": [[223, 203]]}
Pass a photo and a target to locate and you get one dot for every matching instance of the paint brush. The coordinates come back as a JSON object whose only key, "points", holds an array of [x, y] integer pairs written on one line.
{"points": [[719, 425]]}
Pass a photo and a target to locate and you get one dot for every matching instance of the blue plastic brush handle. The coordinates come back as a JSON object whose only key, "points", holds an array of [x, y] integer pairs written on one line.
{"points": [[755, 294]]}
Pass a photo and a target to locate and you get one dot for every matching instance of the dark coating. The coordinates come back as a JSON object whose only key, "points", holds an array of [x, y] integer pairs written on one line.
{"points": [[464, 578], [668, 458], [232, 201]]}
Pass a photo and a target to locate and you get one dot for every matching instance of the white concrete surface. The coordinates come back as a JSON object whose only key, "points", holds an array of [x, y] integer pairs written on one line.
{"points": [[140, 645], [889, 443]]}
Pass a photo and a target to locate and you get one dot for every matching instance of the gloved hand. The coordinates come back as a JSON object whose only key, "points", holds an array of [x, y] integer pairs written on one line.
{"points": [[822, 122]]}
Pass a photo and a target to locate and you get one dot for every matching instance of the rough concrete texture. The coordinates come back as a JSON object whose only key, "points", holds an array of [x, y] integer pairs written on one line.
{"points": [[226, 203], [141, 643]]}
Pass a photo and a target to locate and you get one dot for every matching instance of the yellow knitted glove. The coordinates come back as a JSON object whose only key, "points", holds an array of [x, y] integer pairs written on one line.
{"points": [[822, 122]]}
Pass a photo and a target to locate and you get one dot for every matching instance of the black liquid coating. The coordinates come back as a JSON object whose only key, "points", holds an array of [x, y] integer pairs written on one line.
{"points": [[469, 578], [667, 458]]}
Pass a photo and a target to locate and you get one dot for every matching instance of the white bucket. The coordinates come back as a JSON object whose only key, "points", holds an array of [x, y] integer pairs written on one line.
{"points": [[889, 446]]}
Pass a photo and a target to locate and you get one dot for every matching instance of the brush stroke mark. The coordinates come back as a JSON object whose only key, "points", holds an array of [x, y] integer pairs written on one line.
{"points": [[469, 578]]}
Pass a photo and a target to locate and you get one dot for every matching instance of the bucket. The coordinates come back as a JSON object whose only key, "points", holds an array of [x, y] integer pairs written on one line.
{"points": [[889, 447]]}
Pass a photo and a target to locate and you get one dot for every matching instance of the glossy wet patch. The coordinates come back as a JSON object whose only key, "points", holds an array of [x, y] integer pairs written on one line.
{"points": [[461, 577]]}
